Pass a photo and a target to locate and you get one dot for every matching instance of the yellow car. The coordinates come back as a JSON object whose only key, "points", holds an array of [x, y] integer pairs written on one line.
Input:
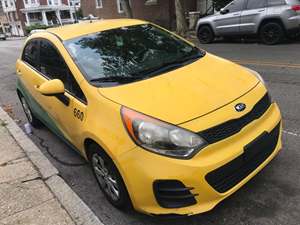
{"points": [[167, 128]]}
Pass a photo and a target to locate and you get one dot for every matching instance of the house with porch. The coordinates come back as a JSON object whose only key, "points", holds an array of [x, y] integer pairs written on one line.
{"points": [[22, 13], [46, 12]]}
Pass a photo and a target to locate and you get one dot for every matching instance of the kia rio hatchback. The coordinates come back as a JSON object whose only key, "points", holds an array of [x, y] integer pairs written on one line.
{"points": [[167, 128]]}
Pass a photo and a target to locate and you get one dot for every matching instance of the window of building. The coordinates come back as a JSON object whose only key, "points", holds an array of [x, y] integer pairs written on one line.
{"points": [[53, 2], [99, 4], [30, 54], [53, 66], [65, 14], [120, 6], [6, 4]]}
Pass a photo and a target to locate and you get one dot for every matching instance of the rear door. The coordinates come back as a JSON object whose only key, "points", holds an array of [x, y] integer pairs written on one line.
{"points": [[250, 18], [29, 77], [229, 23]]}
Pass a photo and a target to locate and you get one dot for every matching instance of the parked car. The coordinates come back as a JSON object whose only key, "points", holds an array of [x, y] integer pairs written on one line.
{"points": [[2, 36], [270, 20], [167, 127]]}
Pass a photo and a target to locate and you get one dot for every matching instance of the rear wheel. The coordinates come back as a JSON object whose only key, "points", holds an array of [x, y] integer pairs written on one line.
{"points": [[35, 122], [271, 33], [205, 35], [108, 178]]}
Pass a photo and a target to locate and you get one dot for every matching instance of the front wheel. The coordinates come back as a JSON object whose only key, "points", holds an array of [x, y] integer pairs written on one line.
{"points": [[205, 35], [109, 178], [271, 33]]}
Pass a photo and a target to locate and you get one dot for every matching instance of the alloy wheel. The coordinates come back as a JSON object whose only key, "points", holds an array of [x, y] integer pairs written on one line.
{"points": [[105, 177]]}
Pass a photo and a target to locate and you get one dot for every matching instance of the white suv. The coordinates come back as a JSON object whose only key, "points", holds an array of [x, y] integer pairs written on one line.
{"points": [[271, 20]]}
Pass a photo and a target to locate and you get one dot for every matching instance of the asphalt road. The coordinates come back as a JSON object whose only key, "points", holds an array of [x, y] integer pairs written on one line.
{"points": [[272, 197]]}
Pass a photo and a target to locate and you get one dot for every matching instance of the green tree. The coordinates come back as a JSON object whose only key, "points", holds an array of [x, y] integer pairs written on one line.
{"points": [[181, 23]]}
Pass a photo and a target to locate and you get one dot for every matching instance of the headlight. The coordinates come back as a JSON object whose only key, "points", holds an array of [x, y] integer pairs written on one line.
{"points": [[257, 75], [160, 137]]}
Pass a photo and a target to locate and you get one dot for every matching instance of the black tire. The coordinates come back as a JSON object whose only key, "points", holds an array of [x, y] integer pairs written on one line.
{"points": [[123, 201], [271, 33], [32, 119], [206, 35]]}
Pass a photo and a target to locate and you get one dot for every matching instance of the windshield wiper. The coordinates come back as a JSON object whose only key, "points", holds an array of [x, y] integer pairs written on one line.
{"points": [[117, 79]]}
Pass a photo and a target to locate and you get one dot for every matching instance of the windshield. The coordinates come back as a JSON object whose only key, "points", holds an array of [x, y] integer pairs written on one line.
{"points": [[129, 54]]}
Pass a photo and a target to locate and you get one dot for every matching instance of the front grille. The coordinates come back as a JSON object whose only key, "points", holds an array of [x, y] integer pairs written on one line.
{"points": [[255, 153], [173, 194], [232, 127]]}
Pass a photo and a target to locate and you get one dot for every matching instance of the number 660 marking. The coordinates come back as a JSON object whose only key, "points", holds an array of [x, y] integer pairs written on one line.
{"points": [[78, 114]]}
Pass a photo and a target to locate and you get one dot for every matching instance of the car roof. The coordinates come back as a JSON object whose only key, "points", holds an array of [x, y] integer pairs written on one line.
{"points": [[88, 27]]}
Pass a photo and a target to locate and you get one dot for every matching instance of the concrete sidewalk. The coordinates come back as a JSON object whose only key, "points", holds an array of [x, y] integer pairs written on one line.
{"points": [[31, 189], [24, 196]]}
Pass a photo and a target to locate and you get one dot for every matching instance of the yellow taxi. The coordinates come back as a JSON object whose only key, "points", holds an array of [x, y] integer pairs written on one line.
{"points": [[167, 127]]}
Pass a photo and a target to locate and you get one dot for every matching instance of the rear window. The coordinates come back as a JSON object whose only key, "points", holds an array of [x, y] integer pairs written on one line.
{"points": [[256, 4], [276, 2], [293, 2], [30, 54]]}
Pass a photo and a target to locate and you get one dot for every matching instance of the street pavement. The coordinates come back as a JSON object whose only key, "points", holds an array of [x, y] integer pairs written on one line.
{"points": [[272, 197]]}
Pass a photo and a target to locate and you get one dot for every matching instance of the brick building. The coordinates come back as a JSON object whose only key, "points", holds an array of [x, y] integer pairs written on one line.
{"points": [[161, 12], [4, 25], [13, 24], [22, 13]]}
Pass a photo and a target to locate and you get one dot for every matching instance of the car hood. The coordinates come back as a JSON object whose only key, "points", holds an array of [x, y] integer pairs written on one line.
{"points": [[185, 93]]}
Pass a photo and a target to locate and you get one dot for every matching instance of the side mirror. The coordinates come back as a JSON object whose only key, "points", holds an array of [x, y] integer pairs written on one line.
{"points": [[224, 11], [51, 88]]}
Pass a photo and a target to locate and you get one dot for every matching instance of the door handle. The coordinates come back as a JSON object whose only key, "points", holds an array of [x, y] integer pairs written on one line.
{"points": [[236, 14], [261, 10], [19, 72]]}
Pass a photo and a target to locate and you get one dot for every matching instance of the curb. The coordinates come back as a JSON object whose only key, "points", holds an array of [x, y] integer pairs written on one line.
{"points": [[80, 213]]}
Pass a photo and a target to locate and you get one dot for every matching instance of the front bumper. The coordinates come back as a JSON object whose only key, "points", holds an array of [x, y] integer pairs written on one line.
{"points": [[140, 168]]}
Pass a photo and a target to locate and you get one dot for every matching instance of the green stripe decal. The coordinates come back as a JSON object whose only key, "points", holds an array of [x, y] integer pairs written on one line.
{"points": [[38, 111]]}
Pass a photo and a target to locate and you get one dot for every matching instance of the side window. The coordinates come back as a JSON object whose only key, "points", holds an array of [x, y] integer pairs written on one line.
{"points": [[30, 53], [276, 2], [256, 4], [236, 6], [53, 66]]}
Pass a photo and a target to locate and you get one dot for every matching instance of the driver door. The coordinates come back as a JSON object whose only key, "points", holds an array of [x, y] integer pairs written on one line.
{"points": [[69, 109], [229, 19]]}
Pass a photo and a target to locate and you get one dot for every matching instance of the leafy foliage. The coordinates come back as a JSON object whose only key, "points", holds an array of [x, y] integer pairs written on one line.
{"points": [[36, 27], [79, 13]]}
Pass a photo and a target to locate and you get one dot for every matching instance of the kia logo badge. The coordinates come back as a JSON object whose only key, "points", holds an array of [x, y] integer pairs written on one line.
{"points": [[240, 107]]}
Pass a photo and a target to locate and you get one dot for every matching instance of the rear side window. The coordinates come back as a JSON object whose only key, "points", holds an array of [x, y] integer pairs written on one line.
{"points": [[53, 66], [236, 6], [31, 53], [256, 4], [276, 2]]}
